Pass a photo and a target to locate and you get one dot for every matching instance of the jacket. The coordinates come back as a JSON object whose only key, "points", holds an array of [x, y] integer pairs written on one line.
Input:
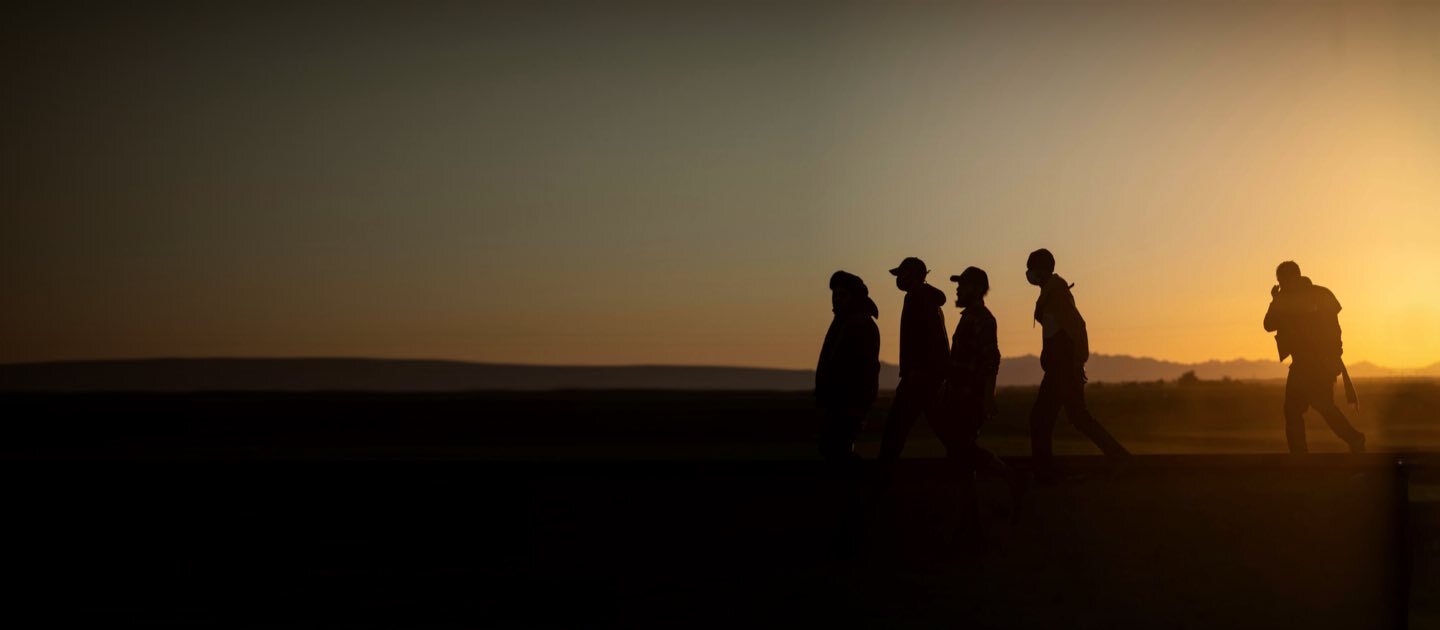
{"points": [[1306, 324], [1066, 342], [975, 350], [848, 373], [924, 346], [974, 353]]}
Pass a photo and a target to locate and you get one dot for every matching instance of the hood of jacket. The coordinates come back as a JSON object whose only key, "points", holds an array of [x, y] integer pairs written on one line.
{"points": [[924, 342], [926, 296], [863, 305]]}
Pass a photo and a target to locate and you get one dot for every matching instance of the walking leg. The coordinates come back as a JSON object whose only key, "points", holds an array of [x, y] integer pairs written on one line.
{"points": [[1295, 404], [1042, 426], [909, 403], [1322, 399], [1079, 415]]}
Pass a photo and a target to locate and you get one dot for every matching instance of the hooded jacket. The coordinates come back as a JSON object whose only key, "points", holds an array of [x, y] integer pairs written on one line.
{"points": [[924, 346], [848, 373], [1066, 342], [1306, 324]]}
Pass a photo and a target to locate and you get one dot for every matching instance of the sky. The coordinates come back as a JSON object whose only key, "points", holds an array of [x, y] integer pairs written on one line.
{"points": [[647, 183]]}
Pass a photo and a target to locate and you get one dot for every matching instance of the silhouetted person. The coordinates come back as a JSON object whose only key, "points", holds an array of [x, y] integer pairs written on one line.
{"points": [[974, 366], [1306, 323], [924, 361], [1065, 349], [847, 376]]}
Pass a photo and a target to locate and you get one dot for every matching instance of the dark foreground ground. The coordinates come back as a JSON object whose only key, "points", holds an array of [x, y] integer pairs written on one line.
{"points": [[1203, 542], [344, 510]]}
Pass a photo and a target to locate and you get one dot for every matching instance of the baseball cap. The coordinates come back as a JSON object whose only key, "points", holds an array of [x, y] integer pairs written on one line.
{"points": [[910, 265], [973, 275]]}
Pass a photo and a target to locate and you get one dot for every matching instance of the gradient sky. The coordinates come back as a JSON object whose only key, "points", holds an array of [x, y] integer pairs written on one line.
{"points": [[641, 183]]}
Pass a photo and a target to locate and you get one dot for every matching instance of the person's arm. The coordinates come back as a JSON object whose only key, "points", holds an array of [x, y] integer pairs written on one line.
{"points": [[1330, 303], [870, 351], [860, 352], [823, 368], [1272, 314], [959, 369], [957, 372], [990, 368], [818, 393]]}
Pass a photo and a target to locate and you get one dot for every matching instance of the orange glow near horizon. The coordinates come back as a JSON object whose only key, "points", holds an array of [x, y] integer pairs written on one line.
{"points": [[674, 186]]}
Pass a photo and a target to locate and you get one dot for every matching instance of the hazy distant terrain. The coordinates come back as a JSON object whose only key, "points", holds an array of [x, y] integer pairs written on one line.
{"points": [[378, 375], [343, 374]]}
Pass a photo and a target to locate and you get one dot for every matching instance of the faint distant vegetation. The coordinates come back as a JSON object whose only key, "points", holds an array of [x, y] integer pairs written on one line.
{"points": [[1189, 379], [1190, 414]]}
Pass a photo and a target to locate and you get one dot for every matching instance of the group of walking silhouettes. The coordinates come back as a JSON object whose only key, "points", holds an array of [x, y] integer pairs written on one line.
{"points": [[952, 381]]}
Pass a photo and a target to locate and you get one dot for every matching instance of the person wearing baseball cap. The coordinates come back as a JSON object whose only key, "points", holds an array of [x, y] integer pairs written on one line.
{"points": [[924, 361], [970, 386]]}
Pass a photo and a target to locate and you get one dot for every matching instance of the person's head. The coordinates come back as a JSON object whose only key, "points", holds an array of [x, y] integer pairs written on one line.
{"points": [[1039, 267], [910, 274], [1288, 275], [845, 289], [971, 286]]}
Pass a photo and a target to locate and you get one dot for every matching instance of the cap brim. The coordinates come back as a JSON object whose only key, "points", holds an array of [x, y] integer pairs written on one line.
{"points": [[955, 278], [896, 271]]}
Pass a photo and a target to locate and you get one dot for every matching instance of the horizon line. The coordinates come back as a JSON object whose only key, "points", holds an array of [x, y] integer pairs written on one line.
{"points": [[610, 365]]}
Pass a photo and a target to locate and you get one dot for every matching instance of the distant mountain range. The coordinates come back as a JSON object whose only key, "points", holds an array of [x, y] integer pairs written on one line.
{"points": [[341, 374]]}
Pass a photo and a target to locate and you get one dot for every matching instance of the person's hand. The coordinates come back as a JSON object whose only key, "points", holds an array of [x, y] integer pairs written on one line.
{"points": [[1274, 291]]}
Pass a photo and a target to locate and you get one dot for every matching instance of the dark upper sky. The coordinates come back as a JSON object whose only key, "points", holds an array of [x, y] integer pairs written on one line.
{"points": [[650, 183]]}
